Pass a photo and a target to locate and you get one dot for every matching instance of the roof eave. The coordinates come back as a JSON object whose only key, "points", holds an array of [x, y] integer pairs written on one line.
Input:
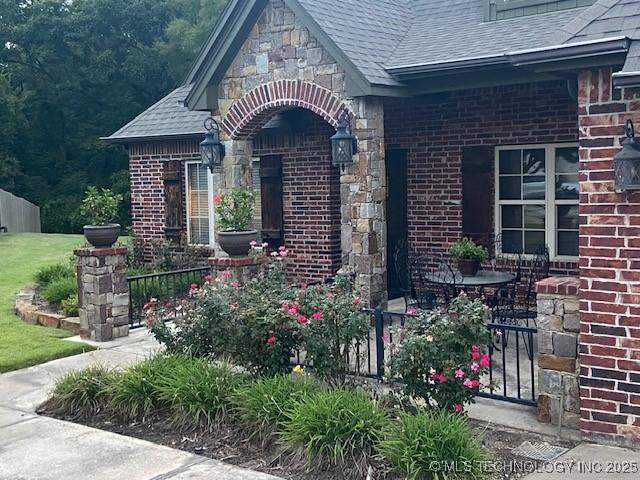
{"points": [[569, 52], [447, 66], [626, 79], [150, 138]]}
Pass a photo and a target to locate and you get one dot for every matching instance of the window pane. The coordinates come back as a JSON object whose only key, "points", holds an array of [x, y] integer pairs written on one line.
{"points": [[567, 160], [510, 188], [511, 162], [568, 243], [567, 187], [199, 231], [567, 217], [533, 162], [512, 241], [533, 188], [534, 217], [533, 241], [511, 216]]}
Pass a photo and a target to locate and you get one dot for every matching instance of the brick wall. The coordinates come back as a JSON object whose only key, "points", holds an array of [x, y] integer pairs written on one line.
{"points": [[434, 131], [147, 187], [609, 266], [311, 198]]}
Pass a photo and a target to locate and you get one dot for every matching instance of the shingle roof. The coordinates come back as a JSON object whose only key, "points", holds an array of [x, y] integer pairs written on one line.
{"points": [[604, 19], [165, 119]]}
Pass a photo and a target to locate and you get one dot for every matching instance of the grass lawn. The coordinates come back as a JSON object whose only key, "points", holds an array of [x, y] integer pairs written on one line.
{"points": [[21, 255]]}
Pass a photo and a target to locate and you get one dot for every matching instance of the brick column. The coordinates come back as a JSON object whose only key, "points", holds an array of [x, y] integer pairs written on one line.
{"points": [[103, 295], [558, 329], [609, 266], [363, 195]]}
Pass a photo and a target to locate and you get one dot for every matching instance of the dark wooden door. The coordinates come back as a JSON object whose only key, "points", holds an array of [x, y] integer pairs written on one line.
{"points": [[397, 222], [173, 200], [477, 193], [271, 200]]}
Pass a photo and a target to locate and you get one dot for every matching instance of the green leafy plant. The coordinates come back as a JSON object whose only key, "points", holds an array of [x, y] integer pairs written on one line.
{"points": [[433, 444], [59, 290], [70, 306], [441, 356], [198, 392], [235, 210], [468, 250], [265, 402], [50, 273], [335, 426], [83, 391], [100, 207]]}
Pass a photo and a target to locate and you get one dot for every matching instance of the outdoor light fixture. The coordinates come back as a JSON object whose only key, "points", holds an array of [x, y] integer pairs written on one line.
{"points": [[343, 144], [211, 149], [627, 162]]}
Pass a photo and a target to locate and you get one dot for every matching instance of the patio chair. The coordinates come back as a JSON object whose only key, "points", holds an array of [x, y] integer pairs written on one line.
{"points": [[434, 281], [404, 258]]}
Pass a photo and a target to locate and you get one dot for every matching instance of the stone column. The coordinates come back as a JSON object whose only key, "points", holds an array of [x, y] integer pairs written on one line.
{"points": [[103, 294], [363, 196], [558, 366], [242, 269]]}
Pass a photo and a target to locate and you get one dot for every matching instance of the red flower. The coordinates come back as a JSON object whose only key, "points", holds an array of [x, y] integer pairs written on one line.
{"points": [[439, 377], [357, 301], [226, 274], [484, 361], [271, 340], [316, 316], [302, 319], [194, 286], [475, 355], [217, 198], [458, 407]]}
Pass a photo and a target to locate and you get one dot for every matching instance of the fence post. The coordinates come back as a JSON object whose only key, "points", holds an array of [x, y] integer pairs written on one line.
{"points": [[379, 321]]}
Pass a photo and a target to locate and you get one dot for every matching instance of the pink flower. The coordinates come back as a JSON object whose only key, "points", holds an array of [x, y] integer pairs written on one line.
{"points": [[458, 407], [429, 338], [253, 243], [302, 319], [217, 199], [439, 377], [285, 306], [412, 310], [484, 361], [284, 253], [475, 355], [272, 340], [207, 278], [459, 373], [235, 284], [475, 383], [475, 367], [316, 316], [468, 383], [356, 301], [386, 339], [292, 311], [194, 286], [265, 245], [149, 321], [282, 248], [226, 274]]}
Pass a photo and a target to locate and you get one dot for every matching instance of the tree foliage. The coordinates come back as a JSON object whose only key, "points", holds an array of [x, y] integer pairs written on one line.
{"points": [[71, 72]]}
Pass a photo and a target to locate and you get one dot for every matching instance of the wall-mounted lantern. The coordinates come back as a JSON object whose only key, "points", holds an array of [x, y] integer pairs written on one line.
{"points": [[343, 144], [627, 162], [211, 149]]}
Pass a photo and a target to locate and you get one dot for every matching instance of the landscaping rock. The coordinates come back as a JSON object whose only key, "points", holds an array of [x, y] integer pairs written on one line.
{"points": [[71, 324], [51, 320]]}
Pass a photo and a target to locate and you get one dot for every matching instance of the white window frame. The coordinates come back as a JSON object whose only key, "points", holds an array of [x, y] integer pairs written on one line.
{"points": [[209, 202], [550, 202]]}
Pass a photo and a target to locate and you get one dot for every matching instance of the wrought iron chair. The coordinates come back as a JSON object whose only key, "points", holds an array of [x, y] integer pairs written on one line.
{"points": [[434, 281], [404, 257]]}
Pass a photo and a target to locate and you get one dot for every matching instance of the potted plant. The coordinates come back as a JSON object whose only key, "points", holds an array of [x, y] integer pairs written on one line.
{"points": [[100, 208], [469, 256], [234, 211]]}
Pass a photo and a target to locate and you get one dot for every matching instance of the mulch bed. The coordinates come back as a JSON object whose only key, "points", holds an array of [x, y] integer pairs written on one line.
{"points": [[224, 445]]}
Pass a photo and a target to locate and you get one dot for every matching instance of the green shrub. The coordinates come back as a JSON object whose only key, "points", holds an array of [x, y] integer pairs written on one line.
{"points": [[428, 444], [265, 402], [468, 249], [83, 391], [59, 290], [334, 426], [198, 392], [50, 273], [100, 207], [70, 306], [137, 393]]}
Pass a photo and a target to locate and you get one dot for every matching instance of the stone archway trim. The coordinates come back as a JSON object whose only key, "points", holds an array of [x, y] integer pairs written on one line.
{"points": [[249, 113]]}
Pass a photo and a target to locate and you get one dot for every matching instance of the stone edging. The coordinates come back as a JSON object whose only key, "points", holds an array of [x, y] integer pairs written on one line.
{"points": [[29, 312]]}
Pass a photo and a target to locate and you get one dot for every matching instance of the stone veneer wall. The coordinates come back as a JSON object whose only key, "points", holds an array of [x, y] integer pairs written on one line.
{"points": [[558, 368], [609, 266]]}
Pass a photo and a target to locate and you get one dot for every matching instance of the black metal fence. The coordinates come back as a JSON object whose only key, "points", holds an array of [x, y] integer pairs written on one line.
{"points": [[165, 286]]}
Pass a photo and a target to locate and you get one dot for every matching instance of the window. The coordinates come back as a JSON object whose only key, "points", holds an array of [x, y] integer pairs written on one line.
{"points": [[537, 198], [199, 201]]}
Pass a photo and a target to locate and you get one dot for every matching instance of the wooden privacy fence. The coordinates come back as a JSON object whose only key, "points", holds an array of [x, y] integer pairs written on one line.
{"points": [[17, 214]]}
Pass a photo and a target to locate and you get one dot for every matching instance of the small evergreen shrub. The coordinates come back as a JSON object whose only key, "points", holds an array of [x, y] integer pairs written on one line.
{"points": [[70, 306], [50, 273], [59, 290], [433, 444], [83, 391], [335, 426], [197, 392], [265, 402]]}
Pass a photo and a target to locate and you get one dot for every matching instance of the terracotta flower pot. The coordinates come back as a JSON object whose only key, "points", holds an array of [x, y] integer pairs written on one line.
{"points": [[102, 236], [468, 267], [237, 244]]}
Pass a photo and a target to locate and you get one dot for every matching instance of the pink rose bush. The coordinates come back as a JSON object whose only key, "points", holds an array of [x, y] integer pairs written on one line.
{"points": [[442, 357]]}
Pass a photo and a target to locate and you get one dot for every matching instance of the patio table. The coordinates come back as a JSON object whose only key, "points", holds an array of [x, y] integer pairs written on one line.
{"points": [[484, 278]]}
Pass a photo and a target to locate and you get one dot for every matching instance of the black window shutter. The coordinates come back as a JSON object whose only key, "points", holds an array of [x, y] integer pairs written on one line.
{"points": [[477, 193], [271, 200], [172, 178]]}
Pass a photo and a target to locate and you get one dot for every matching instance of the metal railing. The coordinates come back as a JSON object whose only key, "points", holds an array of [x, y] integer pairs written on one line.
{"points": [[164, 286]]}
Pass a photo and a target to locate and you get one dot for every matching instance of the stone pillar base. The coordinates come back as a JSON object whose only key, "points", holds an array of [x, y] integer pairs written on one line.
{"points": [[242, 269], [103, 294], [558, 366]]}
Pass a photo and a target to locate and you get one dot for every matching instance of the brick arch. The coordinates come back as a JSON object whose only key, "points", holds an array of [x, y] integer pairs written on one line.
{"points": [[250, 113]]}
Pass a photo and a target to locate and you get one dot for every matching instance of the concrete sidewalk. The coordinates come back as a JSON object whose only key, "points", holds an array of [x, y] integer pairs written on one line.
{"points": [[42, 448]]}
